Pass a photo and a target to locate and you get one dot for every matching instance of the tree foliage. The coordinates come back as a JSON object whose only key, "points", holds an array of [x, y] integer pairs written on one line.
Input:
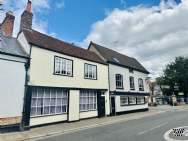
{"points": [[176, 75]]}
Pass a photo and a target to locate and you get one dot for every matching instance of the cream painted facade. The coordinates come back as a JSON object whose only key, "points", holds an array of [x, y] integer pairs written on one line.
{"points": [[113, 70], [41, 73]]}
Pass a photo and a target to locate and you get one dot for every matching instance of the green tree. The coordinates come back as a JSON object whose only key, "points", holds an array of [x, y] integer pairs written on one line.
{"points": [[176, 75]]}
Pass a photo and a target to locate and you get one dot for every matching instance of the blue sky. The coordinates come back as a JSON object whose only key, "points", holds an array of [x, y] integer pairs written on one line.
{"points": [[73, 21]]}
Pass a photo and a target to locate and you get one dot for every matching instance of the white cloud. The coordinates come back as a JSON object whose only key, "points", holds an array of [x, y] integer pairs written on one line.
{"points": [[39, 7], [154, 35]]}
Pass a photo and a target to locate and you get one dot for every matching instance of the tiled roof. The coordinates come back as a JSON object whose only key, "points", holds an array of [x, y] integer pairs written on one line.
{"points": [[114, 57], [46, 42], [10, 45]]}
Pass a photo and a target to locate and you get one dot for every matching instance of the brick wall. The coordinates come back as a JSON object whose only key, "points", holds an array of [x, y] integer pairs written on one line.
{"points": [[10, 121]]}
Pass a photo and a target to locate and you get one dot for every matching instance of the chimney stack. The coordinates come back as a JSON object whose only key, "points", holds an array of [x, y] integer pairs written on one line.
{"points": [[7, 25], [27, 17]]}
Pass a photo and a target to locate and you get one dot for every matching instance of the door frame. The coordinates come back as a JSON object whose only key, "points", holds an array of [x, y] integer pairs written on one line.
{"points": [[113, 108], [101, 102]]}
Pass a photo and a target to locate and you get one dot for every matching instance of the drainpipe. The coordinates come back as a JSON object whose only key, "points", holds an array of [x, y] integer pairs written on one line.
{"points": [[22, 125]]}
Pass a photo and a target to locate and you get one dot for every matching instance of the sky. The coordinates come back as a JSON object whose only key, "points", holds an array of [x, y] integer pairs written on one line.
{"points": [[152, 31]]}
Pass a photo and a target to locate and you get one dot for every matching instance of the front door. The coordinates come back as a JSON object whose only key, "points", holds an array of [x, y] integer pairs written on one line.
{"points": [[101, 105], [113, 106]]}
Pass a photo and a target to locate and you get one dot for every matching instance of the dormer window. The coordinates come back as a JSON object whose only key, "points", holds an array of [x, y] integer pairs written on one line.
{"points": [[131, 70], [116, 60]]}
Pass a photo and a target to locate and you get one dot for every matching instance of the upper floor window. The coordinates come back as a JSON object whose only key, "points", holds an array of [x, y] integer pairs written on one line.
{"points": [[131, 70], [132, 87], [90, 71], [63, 66], [119, 81], [141, 84]]}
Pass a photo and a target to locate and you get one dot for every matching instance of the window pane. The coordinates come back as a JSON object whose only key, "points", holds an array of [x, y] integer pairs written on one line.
{"points": [[132, 100]]}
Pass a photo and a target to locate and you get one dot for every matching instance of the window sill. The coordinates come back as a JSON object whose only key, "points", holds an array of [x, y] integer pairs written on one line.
{"points": [[132, 89], [119, 88], [88, 111], [141, 90], [63, 75], [40, 116], [90, 78]]}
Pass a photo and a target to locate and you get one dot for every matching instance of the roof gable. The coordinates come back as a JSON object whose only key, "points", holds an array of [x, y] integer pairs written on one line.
{"points": [[47, 42], [119, 59]]}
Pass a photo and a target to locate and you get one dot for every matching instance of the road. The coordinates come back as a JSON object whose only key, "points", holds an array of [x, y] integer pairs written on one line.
{"points": [[146, 129]]}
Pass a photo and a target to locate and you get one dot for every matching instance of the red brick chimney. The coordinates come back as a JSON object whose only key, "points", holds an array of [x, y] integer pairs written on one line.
{"points": [[7, 25], [27, 17]]}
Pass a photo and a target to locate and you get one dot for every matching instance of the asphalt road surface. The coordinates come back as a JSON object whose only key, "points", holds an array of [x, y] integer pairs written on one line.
{"points": [[146, 129]]}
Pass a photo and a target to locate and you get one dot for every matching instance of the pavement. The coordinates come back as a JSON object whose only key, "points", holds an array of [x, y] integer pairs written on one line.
{"points": [[128, 124]]}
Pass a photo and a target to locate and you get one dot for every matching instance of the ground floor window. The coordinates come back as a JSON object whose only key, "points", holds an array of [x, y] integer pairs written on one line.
{"points": [[140, 100], [88, 100], [124, 100], [48, 101], [132, 100]]}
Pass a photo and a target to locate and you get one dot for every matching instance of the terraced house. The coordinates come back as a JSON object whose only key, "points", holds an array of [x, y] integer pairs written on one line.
{"points": [[127, 80], [65, 82]]}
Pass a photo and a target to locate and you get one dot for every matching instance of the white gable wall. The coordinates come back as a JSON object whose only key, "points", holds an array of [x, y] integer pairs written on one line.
{"points": [[12, 82]]}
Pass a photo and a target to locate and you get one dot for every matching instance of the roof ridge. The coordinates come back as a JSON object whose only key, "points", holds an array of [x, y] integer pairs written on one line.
{"points": [[111, 50], [61, 40]]}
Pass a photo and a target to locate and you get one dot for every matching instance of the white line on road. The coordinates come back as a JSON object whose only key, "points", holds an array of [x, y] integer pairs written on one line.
{"points": [[151, 129]]}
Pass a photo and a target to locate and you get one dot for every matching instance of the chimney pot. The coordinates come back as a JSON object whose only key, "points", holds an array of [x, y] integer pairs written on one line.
{"points": [[29, 6]]}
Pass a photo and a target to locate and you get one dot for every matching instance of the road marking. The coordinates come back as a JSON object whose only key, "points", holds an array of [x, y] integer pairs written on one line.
{"points": [[151, 129]]}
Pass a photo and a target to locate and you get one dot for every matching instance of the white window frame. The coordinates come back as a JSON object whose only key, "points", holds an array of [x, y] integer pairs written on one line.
{"points": [[90, 71], [88, 100], [57, 98], [63, 66], [141, 84], [119, 81], [124, 100]]}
